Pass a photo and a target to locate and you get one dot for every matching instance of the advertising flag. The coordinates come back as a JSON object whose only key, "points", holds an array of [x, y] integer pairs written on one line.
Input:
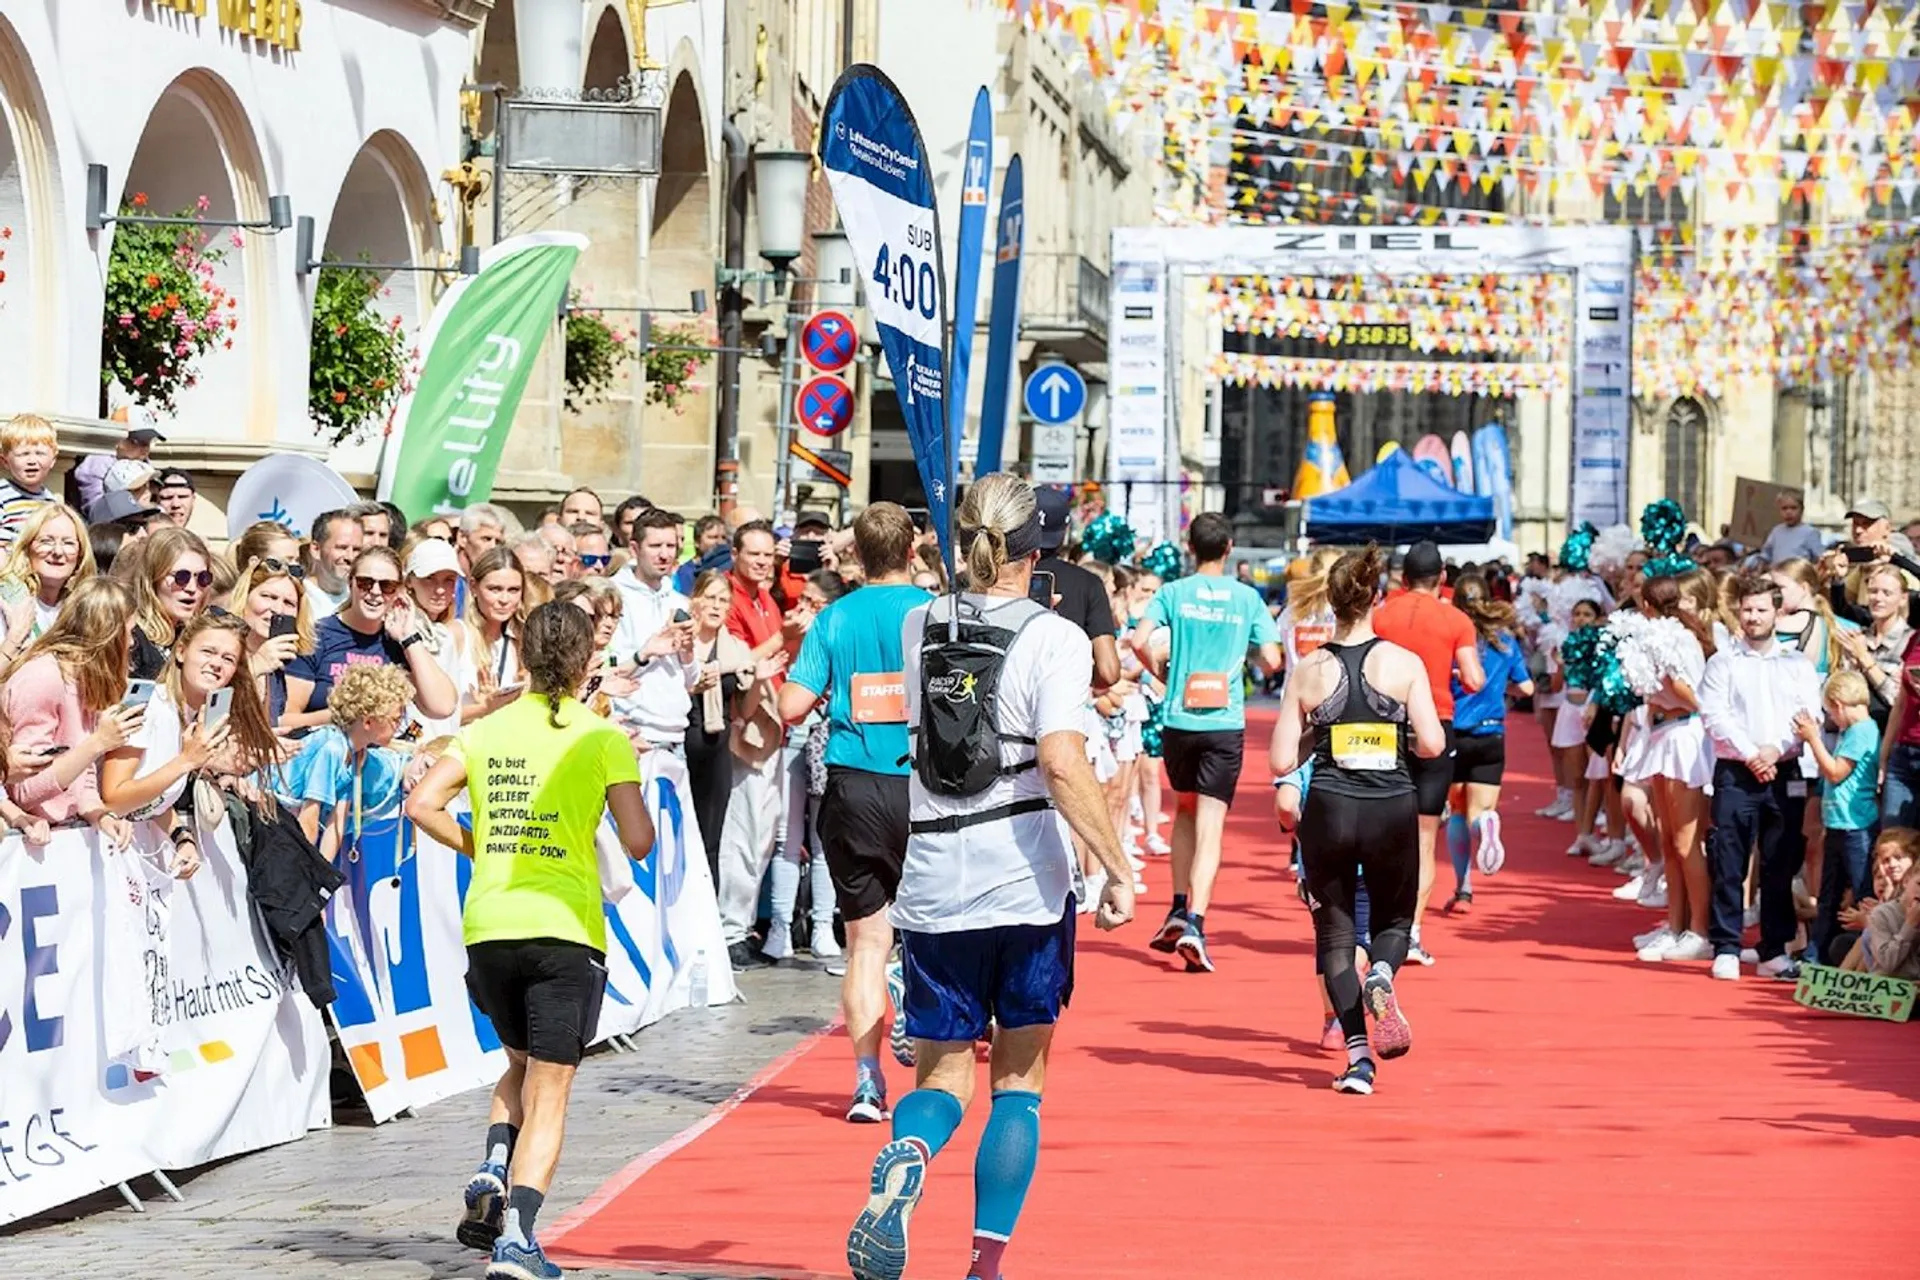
{"points": [[882, 182], [966, 283], [996, 398], [480, 349]]}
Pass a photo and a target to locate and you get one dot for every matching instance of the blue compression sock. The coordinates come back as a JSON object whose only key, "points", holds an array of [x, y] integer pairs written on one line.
{"points": [[1460, 849], [1002, 1172], [929, 1115]]}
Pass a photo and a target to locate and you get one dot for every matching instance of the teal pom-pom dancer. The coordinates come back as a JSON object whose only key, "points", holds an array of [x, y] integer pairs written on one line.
{"points": [[1578, 547]]}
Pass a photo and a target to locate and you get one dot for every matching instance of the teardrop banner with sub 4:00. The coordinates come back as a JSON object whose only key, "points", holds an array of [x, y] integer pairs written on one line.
{"points": [[1151, 264], [882, 181], [480, 349]]}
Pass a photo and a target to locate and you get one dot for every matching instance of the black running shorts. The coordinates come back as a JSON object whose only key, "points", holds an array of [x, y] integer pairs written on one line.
{"points": [[1480, 759], [863, 832], [1203, 762], [542, 995], [1431, 778]]}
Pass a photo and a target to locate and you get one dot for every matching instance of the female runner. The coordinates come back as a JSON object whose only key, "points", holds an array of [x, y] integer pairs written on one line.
{"points": [[1480, 738]]}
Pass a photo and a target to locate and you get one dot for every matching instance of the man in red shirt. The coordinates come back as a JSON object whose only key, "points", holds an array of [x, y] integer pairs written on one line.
{"points": [[1444, 639]]}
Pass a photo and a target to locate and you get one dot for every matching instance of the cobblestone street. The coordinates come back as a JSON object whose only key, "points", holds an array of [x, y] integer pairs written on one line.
{"points": [[379, 1203]]}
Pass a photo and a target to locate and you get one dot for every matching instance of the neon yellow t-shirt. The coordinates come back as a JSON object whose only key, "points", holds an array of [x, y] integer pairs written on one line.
{"points": [[538, 794]]}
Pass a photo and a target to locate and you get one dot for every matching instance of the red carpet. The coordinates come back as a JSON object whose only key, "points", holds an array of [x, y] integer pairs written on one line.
{"points": [[1566, 1112]]}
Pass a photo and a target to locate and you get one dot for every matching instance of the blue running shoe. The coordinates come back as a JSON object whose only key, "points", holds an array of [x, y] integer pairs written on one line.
{"points": [[513, 1260], [1171, 930], [869, 1105], [486, 1198], [1192, 947], [1357, 1078], [877, 1245], [897, 1037]]}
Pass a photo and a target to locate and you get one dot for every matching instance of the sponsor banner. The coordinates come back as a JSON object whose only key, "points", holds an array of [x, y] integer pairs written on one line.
{"points": [[975, 176], [1137, 405], [1003, 327], [1602, 393], [410, 1031], [242, 1056], [882, 182], [480, 348]]}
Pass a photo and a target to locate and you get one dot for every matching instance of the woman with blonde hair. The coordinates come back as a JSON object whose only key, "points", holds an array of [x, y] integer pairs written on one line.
{"points": [[498, 601], [64, 693], [1307, 621], [267, 540], [268, 600], [174, 584], [51, 557]]}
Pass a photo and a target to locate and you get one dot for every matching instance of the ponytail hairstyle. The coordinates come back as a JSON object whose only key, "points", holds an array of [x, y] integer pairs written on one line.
{"points": [[1307, 594], [1354, 583], [250, 727], [1803, 572], [1663, 596], [1491, 618], [556, 651], [999, 523]]}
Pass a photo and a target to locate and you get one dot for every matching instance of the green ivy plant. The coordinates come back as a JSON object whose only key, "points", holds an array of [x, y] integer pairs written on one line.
{"points": [[673, 354], [595, 352], [361, 365], [164, 308]]}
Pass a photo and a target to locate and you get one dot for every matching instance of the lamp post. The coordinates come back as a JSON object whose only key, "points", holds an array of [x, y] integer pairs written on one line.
{"points": [[780, 198]]}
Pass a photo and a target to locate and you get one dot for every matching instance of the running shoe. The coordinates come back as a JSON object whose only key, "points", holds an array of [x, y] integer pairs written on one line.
{"points": [[1392, 1035], [1726, 968], [1662, 935], [1331, 1037], [486, 1201], [1461, 903], [514, 1260], [1418, 954], [1783, 968], [1192, 947], [1630, 890], [1609, 853], [1157, 845], [823, 944], [1653, 891], [1562, 806], [897, 1038], [1582, 847], [869, 1104], [1357, 1078], [1690, 946], [1171, 930], [877, 1245], [1492, 853]]}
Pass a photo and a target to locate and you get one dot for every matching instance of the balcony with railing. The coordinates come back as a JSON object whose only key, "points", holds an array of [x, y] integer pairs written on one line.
{"points": [[1065, 301]]}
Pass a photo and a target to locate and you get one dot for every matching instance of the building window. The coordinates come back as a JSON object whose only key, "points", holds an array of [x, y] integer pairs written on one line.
{"points": [[1684, 448]]}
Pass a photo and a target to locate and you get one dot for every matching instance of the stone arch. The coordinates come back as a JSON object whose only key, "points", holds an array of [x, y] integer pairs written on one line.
{"points": [[1685, 456], [609, 50], [32, 358], [680, 239], [199, 142]]}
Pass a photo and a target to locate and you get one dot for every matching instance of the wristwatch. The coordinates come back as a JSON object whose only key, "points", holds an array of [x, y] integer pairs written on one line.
{"points": [[412, 640]]}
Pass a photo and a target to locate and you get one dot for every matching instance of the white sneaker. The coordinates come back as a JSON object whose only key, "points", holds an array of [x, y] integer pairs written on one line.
{"points": [[1660, 949], [1630, 891], [822, 944], [1661, 935], [1135, 813], [1607, 853], [1749, 956], [1781, 966], [1653, 892], [779, 943], [1726, 968], [1562, 806], [1096, 885], [1136, 859], [1582, 847], [1156, 845], [1690, 946], [1631, 865]]}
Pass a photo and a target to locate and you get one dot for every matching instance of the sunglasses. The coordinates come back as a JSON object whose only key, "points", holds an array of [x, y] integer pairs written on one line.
{"points": [[376, 586], [184, 578], [273, 565], [596, 562]]}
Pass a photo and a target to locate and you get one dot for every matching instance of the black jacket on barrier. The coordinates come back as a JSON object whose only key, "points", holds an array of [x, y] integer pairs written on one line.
{"points": [[291, 884]]}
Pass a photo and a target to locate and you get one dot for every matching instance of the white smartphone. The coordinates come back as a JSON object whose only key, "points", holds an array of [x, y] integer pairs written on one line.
{"points": [[219, 703], [138, 694]]}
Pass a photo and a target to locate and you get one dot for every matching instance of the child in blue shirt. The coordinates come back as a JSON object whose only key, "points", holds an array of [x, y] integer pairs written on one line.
{"points": [[1850, 805]]}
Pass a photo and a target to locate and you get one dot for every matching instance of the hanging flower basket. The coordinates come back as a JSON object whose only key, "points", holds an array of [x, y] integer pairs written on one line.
{"points": [[164, 308], [361, 363], [672, 356], [595, 352]]}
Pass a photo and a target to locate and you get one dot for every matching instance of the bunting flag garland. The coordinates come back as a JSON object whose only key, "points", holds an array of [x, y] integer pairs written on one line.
{"points": [[1524, 316], [1452, 377]]}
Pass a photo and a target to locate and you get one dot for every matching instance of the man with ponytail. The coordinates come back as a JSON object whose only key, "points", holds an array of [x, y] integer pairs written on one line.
{"points": [[539, 774], [985, 903]]}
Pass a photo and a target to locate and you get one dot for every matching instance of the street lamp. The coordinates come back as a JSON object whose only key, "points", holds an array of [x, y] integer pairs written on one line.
{"points": [[780, 190], [833, 265]]}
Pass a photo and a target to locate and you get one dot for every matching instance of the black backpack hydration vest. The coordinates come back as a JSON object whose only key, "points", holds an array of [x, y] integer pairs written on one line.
{"points": [[957, 742]]}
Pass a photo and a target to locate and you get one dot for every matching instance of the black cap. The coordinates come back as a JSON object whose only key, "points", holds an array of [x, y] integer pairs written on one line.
{"points": [[173, 478], [1056, 513], [145, 435], [117, 505], [1423, 562], [812, 520]]}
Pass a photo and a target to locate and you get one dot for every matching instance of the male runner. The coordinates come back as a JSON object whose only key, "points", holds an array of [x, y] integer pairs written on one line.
{"points": [[1445, 641], [986, 909], [1213, 620], [539, 774], [852, 657]]}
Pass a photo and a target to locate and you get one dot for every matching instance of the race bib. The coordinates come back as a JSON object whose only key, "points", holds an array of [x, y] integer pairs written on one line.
{"points": [[1370, 747], [1205, 691], [1310, 637], [880, 698]]}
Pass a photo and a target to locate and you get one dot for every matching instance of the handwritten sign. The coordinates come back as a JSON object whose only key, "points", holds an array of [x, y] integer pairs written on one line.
{"points": [[1863, 995], [1755, 511]]}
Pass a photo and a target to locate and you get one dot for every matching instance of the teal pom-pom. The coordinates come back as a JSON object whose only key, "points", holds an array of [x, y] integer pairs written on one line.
{"points": [[1580, 657], [1109, 539], [1670, 565], [1663, 524], [1163, 562], [1578, 547]]}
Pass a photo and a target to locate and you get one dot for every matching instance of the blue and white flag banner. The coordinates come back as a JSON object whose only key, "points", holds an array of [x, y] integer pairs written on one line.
{"points": [[882, 181], [996, 398], [975, 174]]}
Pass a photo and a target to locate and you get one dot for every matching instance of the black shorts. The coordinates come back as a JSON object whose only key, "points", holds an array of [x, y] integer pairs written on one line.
{"points": [[542, 995], [1203, 762], [1431, 778], [863, 832], [1479, 758]]}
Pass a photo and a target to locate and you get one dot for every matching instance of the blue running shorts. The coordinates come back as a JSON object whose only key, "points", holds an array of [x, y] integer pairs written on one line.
{"points": [[1018, 975]]}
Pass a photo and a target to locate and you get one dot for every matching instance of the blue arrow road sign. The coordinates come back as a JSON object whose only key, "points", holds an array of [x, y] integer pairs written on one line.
{"points": [[1055, 393], [825, 405]]}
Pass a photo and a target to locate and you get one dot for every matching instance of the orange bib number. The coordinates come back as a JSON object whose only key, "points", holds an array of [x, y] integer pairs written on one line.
{"points": [[1308, 638], [880, 698], [1372, 747], [1205, 691]]}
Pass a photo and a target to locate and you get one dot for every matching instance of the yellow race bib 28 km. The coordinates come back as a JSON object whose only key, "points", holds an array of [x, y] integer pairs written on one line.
{"points": [[1366, 746]]}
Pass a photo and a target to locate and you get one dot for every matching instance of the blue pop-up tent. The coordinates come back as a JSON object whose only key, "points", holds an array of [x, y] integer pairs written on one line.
{"points": [[1396, 503]]}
